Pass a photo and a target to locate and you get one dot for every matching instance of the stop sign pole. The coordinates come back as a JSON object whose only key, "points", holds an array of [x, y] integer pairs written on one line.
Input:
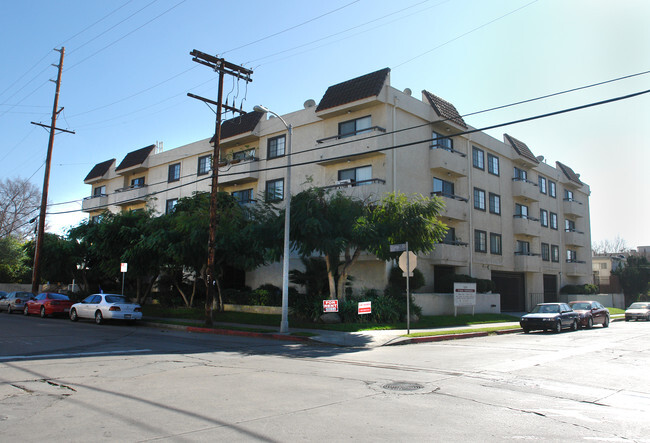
{"points": [[407, 264]]}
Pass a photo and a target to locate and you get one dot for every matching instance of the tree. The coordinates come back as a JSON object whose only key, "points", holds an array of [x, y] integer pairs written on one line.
{"points": [[340, 227], [19, 203], [634, 277], [58, 260], [605, 247], [12, 267]]}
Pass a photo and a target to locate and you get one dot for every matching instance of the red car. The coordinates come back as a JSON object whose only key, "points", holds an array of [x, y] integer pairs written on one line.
{"points": [[591, 313], [48, 303]]}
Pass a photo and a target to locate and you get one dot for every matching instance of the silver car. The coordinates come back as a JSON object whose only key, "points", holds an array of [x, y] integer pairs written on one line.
{"points": [[15, 301], [638, 311], [106, 307]]}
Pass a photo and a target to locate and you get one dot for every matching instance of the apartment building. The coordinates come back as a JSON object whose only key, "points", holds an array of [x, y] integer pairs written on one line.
{"points": [[512, 217]]}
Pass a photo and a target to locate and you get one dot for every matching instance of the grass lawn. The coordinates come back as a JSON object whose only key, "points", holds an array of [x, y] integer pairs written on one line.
{"points": [[614, 311]]}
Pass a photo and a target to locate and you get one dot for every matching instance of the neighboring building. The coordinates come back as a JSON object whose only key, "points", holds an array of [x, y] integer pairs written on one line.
{"points": [[603, 265], [512, 218]]}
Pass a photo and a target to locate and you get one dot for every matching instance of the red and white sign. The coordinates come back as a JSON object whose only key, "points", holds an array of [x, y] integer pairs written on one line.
{"points": [[364, 307], [123, 267], [330, 306]]}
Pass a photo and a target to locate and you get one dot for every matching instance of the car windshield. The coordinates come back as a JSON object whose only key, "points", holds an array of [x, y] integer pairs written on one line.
{"points": [[581, 306], [115, 299], [639, 306], [545, 309], [58, 297]]}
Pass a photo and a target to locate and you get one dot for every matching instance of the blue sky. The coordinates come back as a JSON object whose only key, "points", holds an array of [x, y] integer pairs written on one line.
{"points": [[127, 71]]}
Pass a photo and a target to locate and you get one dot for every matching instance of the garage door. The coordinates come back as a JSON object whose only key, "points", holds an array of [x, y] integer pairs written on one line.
{"points": [[512, 288]]}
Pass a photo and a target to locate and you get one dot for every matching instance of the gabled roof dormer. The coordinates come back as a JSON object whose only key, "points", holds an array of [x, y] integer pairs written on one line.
{"points": [[445, 110], [353, 94], [526, 156], [134, 161], [99, 171]]}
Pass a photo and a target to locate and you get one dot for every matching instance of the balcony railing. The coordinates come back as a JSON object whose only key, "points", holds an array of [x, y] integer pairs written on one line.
{"points": [[573, 207], [240, 171], [455, 206], [448, 160], [526, 261], [351, 183], [451, 196], [94, 202], [525, 188], [455, 253], [350, 134]]}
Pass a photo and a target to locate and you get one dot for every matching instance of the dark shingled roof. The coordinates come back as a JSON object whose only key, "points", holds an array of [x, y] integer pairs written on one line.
{"points": [[521, 148], [239, 125], [572, 176], [444, 109], [135, 157], [368, 85], [99, 169]]}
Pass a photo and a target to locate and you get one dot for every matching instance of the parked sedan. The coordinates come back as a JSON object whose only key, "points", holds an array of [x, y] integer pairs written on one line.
{"points": [[48, 303], [550, 316], [106, 307], [590, 313], [638, 311], [15, 301]]}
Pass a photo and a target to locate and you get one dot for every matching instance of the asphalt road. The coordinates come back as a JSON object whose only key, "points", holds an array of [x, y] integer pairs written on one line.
{"points": [[64, 381]]}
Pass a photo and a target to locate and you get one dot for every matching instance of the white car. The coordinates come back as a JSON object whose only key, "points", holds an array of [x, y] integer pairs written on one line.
{"points": [[106, 307]]}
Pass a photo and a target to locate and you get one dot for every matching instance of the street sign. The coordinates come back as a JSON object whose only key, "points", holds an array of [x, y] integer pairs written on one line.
{"points": [[330, 306], [398, 247], [123, 267], [364, 307], [407, 262]]}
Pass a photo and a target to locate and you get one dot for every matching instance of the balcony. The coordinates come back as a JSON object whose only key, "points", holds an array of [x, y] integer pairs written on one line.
{"points": [[525, 225], [364, 144], [573, 207], [131, 195], [574, 238], [454, 253], [95, 203], [448, 161], [241, 172], [370, 190], [527, 262], [456, 207], [576, 268], [525, 189]]}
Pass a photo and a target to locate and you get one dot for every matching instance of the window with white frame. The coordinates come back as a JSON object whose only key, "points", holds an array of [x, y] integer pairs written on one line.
{"points": [[354, 127], [205, 164], [603, 265], [170, 205], [543, 217], [442, 142], [542, 184], [478, 158], [479, 199], [553, 220], [495, 204], [443, 187], [495, 243], [275, 147], [274, 190], [480, 241], [361, 175], [174, 172], [493, 164]]}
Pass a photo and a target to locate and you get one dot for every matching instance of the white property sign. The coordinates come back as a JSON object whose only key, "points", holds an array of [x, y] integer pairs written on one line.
{"points": [[464, 295]]}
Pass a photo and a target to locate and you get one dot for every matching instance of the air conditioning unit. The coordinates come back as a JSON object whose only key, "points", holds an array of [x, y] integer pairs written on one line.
{"points": [[347, 182]]}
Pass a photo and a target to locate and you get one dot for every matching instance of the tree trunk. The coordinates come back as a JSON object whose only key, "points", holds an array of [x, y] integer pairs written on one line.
{"points": [[330, 277], [180, 290], [148, 290], [345, 268]]}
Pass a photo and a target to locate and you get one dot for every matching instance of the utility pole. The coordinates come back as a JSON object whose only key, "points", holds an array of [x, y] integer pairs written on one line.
{"points": [[46, 179], [222, 67]]}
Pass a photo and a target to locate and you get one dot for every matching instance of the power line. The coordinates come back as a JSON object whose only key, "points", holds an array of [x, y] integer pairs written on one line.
{"points": [[386, 148]]}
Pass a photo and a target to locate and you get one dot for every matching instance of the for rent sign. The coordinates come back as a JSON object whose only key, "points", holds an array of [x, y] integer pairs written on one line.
{"points": [[464, 295], [364, 307], [330, 306]]}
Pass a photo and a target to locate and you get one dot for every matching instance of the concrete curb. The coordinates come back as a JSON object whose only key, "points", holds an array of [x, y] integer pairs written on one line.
{"points": [[196, 329], [445, 337]]}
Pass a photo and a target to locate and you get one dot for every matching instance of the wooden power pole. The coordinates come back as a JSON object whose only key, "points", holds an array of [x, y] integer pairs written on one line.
{"points": [[46, 179], [222, 67]]}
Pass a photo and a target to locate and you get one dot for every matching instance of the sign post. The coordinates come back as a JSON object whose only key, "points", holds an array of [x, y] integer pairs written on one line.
{"points": [[464, 295], [407, 263], [123, 267]]}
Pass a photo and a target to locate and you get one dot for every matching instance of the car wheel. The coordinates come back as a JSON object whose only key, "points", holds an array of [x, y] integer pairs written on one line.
{"points": [[73, 315], [627, 319], [99, 318], [25, 311], [606, 322], [574, 325], [43, 315], [9, 309], [526, 330], [558, 327], [590, 323]]}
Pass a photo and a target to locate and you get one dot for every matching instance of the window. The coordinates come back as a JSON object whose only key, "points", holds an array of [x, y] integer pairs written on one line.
{"points": [[361, 174], [521, 211], [478, 158], [275, 147], [450, 237], [568, 195], [551, 188], [546, 252], [523, 248], [137, 182], [495, 243], [520, 174], [493, 164], [571, 256], [569, 225], [555, 253], [170, 205], [553, 220], [542, 184], [543, 217], [248, 154], [495, 204], [354, 127], [603, 265], [243, 196], [480, 241], [99, 191], [174, 173], [479, 199], [441, 142], [205, 164], [275, 190], [96, 218], [443, 188]]}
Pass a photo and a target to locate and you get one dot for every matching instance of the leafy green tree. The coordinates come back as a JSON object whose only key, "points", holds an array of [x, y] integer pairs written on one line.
{"points": [[58, 260], [634, 277], [12, 267]]}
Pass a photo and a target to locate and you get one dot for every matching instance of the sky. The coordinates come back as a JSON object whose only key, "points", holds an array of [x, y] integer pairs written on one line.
{"points": [[127, 72]]}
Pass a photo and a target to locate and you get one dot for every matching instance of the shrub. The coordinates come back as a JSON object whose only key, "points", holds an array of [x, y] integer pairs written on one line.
{"points": [[398, 281], [482, 285], [579, 289]]}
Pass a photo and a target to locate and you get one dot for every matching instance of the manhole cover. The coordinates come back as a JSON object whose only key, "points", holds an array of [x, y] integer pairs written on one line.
{"points": [[403, 386]]}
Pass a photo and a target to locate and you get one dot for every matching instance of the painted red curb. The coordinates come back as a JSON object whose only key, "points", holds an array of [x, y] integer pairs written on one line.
{"points": [[446, 337], [247, 334]]}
